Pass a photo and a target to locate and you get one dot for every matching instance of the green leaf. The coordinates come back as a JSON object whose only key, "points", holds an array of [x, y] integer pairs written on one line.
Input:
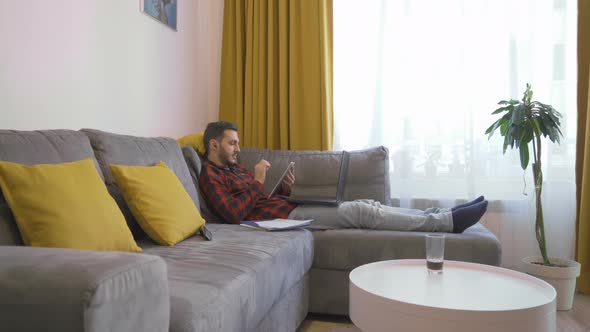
{"points": [[504, 127], [502, 109], [554, 113], [517, 132], [528, 94], [492, 128], [509, 138], [545, 125], [536, 126], [508, 102], [524, 155], [504, 119], [527, 134], [506, 141], [518, 114], [550, 128], [554, 121], [554, 135]]}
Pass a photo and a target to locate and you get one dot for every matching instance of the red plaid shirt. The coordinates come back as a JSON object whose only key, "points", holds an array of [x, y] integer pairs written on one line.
{"points": [[232, 193]]}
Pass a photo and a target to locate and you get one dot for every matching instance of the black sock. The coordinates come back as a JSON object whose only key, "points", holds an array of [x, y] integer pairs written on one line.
{"points": [[466, 217], [477, 200]]}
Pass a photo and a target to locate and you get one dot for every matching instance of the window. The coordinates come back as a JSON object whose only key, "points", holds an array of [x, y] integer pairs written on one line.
{"points": [[422, 77]]}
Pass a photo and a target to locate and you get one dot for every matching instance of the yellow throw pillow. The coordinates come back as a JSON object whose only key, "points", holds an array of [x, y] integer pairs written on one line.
{"points": [[194, 140], [159, 202], [64, 206]]}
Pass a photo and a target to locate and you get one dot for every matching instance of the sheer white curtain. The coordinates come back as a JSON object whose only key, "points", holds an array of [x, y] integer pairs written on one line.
{"points": [[421, 77]]}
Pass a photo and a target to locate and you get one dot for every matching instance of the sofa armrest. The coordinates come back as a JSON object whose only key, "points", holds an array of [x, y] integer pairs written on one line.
{"points": [[50, 289], [316, 172]]}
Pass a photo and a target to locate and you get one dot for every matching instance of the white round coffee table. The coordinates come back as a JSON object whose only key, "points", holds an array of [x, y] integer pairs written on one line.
{"points": [[400, 295]]}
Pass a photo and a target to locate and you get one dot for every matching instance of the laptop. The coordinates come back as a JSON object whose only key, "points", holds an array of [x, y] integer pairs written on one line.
{"points": [[332, 201]]}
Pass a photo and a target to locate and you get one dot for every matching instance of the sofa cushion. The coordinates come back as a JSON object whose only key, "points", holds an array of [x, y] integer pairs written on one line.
{"points": [[333, 249], [159, 202], [193, 160], [140, 151], [230, 283], [195, 141], [316, 172], [64, 206], [37, 147]]}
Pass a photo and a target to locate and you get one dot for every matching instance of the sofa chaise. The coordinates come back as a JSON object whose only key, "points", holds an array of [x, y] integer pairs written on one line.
{"points": [[339, 251], [242, 280]]}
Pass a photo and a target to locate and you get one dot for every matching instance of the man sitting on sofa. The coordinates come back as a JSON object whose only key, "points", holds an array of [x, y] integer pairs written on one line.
{"points": [[234, 193]]}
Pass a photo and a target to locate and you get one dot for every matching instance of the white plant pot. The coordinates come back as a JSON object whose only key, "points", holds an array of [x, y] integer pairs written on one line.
{"points": [[563, 279]]}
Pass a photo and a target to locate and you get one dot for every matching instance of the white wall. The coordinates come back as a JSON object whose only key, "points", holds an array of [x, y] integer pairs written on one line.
{"points": [[104, 64]]}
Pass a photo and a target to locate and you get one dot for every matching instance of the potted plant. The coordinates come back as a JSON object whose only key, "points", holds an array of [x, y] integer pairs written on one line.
{"points": [[523, 124]]}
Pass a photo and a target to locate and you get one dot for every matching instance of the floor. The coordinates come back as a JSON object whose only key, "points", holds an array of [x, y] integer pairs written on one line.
{"points": [[575, 320]]}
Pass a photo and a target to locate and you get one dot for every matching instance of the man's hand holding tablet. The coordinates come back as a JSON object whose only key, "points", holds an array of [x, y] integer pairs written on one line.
{"points": [[285, 173]]}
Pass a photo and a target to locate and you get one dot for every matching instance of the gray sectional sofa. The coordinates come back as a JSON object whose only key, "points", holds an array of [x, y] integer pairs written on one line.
{"points": [[243, 280]]}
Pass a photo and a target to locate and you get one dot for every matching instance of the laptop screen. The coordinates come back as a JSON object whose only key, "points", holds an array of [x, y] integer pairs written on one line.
{"points": [[342, 176]]}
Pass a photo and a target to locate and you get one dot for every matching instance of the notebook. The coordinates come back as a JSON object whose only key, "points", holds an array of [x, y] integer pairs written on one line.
{"points": [[277, 224], [333, 201]]}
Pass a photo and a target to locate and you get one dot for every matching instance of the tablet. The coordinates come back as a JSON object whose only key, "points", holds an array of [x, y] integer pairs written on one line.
{"points": [[274, 190]]}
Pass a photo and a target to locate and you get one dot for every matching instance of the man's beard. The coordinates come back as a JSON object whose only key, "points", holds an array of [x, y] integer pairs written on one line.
{"points": [[228, 159]]}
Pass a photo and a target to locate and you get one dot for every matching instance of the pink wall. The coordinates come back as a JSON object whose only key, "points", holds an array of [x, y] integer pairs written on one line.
{"points": [[103, 64]]}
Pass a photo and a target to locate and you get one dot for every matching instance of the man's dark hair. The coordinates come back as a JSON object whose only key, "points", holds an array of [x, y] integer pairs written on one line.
{"points": [[215, 131]]}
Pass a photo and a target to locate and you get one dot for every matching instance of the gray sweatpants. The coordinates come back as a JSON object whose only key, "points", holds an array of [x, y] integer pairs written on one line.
{"points": [[369, 214]]}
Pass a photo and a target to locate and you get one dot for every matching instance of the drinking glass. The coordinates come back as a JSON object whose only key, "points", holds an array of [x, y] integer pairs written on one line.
{"points": [[435, 252]]}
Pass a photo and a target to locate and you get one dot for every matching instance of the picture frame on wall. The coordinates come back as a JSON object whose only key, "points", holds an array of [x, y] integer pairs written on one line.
{"points": [[164, 11]]}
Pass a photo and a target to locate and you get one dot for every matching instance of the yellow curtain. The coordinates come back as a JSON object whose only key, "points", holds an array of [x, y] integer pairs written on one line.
{"points": [[583, 147], [276, 73]]}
